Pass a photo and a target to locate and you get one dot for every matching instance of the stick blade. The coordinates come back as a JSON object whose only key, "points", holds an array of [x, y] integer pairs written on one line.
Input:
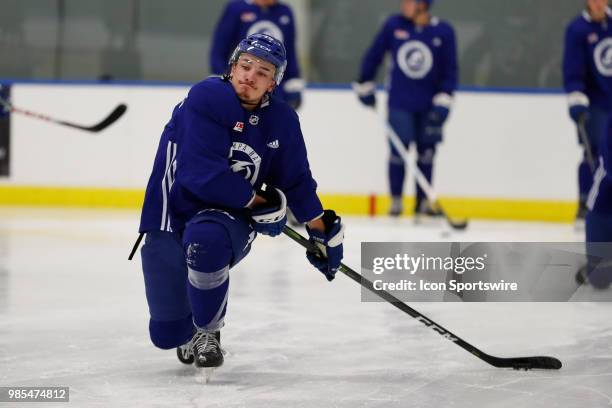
{"points": [[111, 118], [529, 363], [458, 225], [106, 122]]}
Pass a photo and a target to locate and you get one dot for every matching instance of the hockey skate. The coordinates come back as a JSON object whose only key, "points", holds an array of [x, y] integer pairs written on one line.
{"points": [[204, 350], [396, 207], [426, 214]]}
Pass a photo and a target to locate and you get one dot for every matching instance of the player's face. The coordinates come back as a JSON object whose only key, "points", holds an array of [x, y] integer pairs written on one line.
{"points": [[265, 3], [411, 8], [597, 8], [252, 78]]}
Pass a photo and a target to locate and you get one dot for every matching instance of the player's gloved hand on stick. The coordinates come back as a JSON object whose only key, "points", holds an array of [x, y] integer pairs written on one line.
{"points": [[438, 114], [578, 113], [329, 243], [366, 92], [578, 106], [270, 218]]}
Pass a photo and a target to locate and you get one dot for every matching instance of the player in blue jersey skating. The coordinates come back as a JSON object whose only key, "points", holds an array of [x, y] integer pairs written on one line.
{"points": [[423, 78], [204, 203], [587, 77], [598, 271], [244, 17]]}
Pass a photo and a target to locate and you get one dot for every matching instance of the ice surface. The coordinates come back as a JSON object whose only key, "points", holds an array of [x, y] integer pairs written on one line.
{"points": [[73, 313]]}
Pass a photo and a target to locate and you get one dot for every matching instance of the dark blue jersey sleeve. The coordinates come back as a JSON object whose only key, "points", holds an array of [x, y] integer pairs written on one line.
{"points": [[448, 63], [375, 54], [291, 173], [224, 38], [575, 61], [203, 156]]}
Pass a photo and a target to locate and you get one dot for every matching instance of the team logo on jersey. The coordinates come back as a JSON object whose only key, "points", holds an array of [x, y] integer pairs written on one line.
{"points": [[254, 120], [239, 127], [284, 20], [603, 57], [248, 17], [401, 34], [267, 27], [415, 59], [245, 161]]}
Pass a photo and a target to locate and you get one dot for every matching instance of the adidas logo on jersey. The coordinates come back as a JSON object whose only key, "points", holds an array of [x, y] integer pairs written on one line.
{"points": [[274, 144]]}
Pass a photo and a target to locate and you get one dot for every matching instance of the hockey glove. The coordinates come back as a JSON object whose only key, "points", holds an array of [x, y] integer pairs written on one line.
{"points": [[438, 115], [578, 113], [270, 218], [330, 244], [578, 106], [294, 99], [366, 92]]}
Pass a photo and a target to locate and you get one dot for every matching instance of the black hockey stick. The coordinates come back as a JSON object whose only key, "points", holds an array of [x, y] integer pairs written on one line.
{"points": [[422, 181], [103, 124], [584, 137], [526, 363]]}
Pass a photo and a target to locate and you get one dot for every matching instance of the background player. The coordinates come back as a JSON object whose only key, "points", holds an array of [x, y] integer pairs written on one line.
{"points": [[599, 219], [587, 77], [201, 211], [241, 18], [423, 79]]}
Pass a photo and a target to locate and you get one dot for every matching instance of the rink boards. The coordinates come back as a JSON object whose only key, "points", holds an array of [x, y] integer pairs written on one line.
{"points": [[505, 155]]}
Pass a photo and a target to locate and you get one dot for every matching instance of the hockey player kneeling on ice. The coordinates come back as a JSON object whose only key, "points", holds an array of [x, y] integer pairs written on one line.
{"points": [[599, 220], [230, 161], [423, 79]]}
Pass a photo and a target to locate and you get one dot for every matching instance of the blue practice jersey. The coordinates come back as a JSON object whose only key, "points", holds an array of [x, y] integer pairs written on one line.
{"points": [[424, 61], [587, 60], [242, 18], [600, 196], [214, 154]]}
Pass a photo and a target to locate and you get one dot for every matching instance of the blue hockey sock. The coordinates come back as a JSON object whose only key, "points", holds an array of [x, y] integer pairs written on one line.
{"points": [[585, 180], [397, 172], [208, 253]]}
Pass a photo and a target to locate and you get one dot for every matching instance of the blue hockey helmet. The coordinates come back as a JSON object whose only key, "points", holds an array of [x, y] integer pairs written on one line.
{"points": [[265, 47]]}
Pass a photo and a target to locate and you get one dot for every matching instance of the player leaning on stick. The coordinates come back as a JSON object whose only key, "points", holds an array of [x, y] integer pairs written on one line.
{"points": [[422, 81], [587, 77], [243, 17], [204, 205], [599, 219]]}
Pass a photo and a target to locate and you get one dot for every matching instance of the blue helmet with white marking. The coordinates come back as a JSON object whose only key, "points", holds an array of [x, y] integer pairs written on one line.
{"points": [[265, 47]]}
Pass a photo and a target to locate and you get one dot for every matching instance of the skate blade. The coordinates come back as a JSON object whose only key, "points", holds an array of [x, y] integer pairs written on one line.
{"points": [[205, 374]]}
